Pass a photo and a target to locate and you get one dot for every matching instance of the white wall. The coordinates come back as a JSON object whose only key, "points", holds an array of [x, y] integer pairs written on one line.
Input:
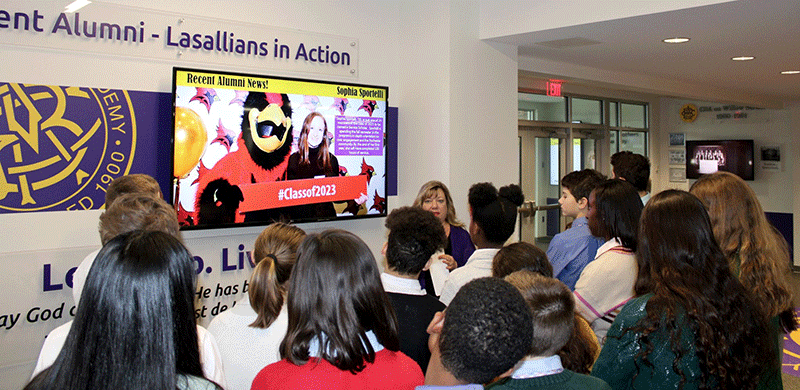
{"points": [[500, 18], [483, 116], [794, 130], [777, 191]]}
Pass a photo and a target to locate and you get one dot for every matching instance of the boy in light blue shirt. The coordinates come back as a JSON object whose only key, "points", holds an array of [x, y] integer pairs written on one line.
{"points": [[572, 249]]}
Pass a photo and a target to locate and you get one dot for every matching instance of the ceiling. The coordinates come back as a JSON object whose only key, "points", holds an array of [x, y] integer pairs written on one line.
{"points": [[767, 30]]}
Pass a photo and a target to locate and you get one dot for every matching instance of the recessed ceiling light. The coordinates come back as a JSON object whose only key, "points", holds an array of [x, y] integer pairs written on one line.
{"points": [[676, 40], [743, 58], [790, 72]]}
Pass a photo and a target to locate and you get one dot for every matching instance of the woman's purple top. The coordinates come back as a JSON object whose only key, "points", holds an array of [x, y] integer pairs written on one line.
{"points": [[461, 246]]}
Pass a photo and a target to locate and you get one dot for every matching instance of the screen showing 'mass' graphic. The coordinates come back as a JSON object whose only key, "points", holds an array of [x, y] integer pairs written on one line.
{"points": [[252, 149]]}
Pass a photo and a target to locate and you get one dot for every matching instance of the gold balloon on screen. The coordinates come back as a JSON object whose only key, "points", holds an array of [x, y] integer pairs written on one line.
{"points": [[190, 141]]}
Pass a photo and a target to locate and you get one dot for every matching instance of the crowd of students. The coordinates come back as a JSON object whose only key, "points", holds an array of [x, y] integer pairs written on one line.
{"points": [[684, 290]]}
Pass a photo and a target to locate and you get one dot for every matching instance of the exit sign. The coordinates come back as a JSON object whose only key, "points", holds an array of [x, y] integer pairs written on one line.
{"points": [[553, 88]]}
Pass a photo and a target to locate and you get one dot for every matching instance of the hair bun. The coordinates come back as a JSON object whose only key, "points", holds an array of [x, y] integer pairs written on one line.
{"points": [[482, 194], [512, 193]]}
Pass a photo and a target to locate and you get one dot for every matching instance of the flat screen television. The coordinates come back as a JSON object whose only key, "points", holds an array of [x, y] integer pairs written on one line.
{"points": [[249, 149], [734, 156]]}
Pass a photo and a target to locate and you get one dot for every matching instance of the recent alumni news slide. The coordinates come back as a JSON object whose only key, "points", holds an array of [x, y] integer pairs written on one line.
{"points": [[276, 85]]}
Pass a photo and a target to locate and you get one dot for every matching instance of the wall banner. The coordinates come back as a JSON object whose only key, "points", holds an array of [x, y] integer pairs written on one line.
{"points": [[60, 147]]}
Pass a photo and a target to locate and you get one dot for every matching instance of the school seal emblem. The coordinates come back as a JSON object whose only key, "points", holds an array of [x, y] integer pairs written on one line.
{"points": [[60, 147]]}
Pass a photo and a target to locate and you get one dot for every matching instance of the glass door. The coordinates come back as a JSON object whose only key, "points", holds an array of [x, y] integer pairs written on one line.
{"points": [[585, 145], [542, 163]]}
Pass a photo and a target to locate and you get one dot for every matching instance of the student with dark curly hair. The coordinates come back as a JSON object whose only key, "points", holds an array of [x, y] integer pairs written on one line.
{"points": [[553, 310], [414, 236], [485, 331], [520, 255], [135, 325], [493, 218], [607, 282], [342, 331], [692, 324]]}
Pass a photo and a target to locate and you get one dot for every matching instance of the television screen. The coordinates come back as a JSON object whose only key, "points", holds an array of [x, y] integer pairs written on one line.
{"points": [[252, 149], [734, 156]]}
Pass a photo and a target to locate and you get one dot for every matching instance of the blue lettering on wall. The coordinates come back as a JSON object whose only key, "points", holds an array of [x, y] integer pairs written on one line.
{"points": [[220, 41], [47, 279], [22, 21], [322, 55]]}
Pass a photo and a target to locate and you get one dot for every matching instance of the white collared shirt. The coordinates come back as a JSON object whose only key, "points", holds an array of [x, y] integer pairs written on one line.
{"points": [[536, 367], [396, 284]]}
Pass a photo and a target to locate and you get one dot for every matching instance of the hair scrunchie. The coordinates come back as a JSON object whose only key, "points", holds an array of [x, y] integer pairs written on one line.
{"points": [[271, 256]]}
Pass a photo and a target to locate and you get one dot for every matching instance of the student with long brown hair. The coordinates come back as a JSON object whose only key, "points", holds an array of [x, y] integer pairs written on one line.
{"points": [[692, 323], [342, 331], [756, 252], [249, 333]]}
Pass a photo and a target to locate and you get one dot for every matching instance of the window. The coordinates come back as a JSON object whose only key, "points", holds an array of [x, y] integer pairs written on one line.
{"points": [[633, 115], [587, 111], [613, 119], [627, 124], [543, 108], [635, 141]]}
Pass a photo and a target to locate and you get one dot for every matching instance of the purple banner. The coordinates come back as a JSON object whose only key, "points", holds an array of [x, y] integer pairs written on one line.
{"points": [[61, 146], [791, 351], [359, 136]]}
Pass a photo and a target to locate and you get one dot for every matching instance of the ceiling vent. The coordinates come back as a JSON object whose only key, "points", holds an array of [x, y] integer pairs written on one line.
{"points": [[568, 43]]}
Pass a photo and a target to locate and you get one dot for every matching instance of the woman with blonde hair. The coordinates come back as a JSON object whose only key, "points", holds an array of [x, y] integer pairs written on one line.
{"points": [[434, 196], [249, 333], [757, 253]]}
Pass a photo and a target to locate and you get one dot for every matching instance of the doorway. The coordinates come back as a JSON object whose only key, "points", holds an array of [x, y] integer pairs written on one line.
{"points": [[544, 160]]}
